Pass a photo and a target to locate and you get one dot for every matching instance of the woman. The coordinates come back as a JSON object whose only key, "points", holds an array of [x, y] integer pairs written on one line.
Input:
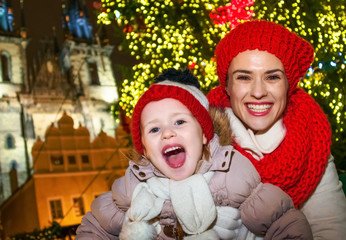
{"points": [[278, 126]]}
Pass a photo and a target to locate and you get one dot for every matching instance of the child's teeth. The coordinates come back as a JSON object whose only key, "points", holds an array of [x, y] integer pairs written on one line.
{"points": [[171, 149]]}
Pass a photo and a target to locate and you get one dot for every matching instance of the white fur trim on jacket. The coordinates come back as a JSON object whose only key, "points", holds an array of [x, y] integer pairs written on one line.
{"points": [[191, 200]]}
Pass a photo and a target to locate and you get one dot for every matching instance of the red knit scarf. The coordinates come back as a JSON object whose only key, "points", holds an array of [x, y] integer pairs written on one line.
{"points": [[298, 164]]}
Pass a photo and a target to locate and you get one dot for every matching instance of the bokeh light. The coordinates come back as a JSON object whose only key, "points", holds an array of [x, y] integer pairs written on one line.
{"points": [[181, 34]]}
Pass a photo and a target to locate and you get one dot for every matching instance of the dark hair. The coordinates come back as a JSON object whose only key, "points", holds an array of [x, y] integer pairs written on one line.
{"points": [[180, 76]]}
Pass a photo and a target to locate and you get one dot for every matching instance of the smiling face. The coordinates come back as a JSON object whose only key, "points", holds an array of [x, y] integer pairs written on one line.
{"points": [[172, 138], [257, 86]]}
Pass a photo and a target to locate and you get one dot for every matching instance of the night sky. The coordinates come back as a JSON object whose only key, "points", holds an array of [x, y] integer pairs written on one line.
{"points": [[41, 16]]}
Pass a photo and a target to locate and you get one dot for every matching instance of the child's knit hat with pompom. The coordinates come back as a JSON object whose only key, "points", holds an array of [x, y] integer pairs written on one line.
{"points": [[180, 85]]}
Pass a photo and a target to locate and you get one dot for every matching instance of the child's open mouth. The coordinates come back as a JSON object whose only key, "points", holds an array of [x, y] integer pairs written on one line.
{"points": [[174, 155]]}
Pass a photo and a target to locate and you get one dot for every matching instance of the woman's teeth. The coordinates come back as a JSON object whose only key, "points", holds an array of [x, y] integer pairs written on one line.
{"points": [[259, 107]]}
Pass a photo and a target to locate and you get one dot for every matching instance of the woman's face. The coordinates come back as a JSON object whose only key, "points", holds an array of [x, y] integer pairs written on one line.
{"points": [[257, 86]]}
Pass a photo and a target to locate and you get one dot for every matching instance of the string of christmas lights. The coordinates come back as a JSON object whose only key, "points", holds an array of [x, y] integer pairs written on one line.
{"points": [[323, 25], [181, 34]]}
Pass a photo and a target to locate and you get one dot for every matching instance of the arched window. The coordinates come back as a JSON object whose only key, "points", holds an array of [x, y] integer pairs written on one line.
{"points": [[10, 143], [94, 76], [5, 67], [13, 164], [102, 123]]}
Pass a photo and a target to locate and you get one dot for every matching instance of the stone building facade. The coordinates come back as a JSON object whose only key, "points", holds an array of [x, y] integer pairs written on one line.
{"points": [[75, 78], [69, 171]]}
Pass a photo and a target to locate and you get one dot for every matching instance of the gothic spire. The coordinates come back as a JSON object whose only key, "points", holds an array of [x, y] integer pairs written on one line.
{"points": [[23, 30], [6, 17], [75, 20]]}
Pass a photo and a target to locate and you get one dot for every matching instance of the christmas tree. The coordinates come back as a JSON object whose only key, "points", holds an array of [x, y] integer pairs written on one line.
{"points": [[183, 34]]}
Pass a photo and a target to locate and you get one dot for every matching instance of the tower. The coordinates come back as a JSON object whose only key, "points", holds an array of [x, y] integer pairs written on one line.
{"points": [[13, 79], [87, 64]]}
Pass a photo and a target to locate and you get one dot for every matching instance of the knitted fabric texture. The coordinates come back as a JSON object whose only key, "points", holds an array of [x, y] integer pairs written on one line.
{"points": [[298, 164], [219, 97], [188, 95], [295, 53]]}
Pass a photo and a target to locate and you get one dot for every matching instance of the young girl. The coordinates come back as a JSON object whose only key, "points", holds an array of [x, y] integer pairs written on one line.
{"points": [[187, 176]]}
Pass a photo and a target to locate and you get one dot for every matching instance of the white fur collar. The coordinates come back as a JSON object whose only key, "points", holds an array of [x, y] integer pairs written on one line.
{"points": [[256, 144]]}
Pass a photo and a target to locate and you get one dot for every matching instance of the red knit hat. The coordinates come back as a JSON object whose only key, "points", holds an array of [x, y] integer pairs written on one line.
{"points": [[188, 95], [295, 53]]}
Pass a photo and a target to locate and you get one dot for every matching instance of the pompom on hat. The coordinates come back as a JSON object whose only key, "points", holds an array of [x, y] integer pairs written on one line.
{"points": [[295, 53], [187, 94]]}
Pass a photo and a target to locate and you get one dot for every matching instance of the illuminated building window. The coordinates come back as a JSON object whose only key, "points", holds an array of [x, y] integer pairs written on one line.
{"points": [[56, 209], [85, 159], [71, 159], [5, 67], [10, 144], [57, 160], [78, 206]]}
